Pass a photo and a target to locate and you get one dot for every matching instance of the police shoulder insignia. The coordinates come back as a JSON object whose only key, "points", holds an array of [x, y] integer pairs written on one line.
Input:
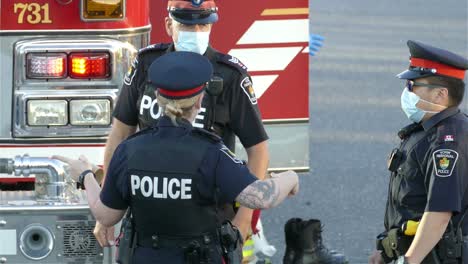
{"points": [[131, 72], [444, 162], [246, 85], [230, 154]]}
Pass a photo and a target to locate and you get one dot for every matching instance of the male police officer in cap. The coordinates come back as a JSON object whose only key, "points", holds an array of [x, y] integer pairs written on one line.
{"points": [[172, 175], [428, 192], [229, 111]]}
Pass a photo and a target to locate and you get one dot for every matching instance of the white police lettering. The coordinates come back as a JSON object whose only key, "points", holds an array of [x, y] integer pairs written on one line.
{"points": [[161, 187], [198, 122], [147, 103]]}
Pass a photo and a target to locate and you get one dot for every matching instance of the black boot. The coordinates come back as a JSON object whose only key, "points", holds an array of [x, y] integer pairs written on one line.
{"points": [[312, 250], [291, 232]]}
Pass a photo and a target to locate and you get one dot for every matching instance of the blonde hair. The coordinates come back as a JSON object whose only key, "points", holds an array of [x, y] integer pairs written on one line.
{"points": [[177, 108]]}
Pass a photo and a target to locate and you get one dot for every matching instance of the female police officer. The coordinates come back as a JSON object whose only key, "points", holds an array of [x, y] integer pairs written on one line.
{"points": [[172, 175]]}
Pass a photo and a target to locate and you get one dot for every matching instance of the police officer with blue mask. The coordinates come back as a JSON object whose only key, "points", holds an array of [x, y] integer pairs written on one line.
{"points": [[229, 111], [172, 176], [425, 218]]}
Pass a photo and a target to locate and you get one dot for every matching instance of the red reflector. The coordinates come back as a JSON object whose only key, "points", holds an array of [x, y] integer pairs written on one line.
{"points": [[89, 65], [46, 65]]}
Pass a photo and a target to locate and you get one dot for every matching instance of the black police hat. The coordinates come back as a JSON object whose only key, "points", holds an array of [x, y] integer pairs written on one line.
{"points": [[191, 12], [428, 61], [180, 74]]}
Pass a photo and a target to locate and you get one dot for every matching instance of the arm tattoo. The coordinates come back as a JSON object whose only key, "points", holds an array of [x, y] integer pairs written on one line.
{"points": [[259, 195]]}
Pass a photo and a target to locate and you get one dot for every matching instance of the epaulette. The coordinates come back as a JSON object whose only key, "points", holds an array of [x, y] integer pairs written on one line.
{"points": [[141, 132], [154, 47], [231, 61], [206, 134]]}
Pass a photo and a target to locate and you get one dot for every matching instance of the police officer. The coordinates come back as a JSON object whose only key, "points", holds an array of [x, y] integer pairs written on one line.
{"points": [[428, 190], [172, 175], [229, 111]]}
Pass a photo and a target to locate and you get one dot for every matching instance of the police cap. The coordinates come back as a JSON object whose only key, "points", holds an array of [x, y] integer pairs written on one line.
{"points": [[428, 61], [180, 74], [191, 12]]}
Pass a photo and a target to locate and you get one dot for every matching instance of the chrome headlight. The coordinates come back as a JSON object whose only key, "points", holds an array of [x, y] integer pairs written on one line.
{"points": [[47, 112], [90, 112]]}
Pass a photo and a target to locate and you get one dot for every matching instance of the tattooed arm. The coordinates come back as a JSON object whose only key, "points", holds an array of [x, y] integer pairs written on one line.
{"points": [[264, 194]]}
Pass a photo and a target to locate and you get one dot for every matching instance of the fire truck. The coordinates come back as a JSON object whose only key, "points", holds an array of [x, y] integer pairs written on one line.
{"points": [[62, 65]]}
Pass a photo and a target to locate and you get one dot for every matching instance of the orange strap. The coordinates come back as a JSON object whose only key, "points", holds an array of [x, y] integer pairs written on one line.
{"points": [[442, 69]]}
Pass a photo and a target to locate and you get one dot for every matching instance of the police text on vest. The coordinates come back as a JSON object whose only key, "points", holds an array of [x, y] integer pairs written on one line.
{"points": [[162, 187]]}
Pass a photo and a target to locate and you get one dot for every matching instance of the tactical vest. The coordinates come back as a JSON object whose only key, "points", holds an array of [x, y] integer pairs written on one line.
{"points": [[163, 179]]}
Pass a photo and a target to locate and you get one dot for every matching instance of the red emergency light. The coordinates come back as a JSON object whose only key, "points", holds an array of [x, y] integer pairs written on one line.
{"points": [[46, 65], [89, 65]]}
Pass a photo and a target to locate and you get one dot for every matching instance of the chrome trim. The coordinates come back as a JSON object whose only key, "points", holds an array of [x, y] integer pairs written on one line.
{"points": [[21, 128], [118, 51], [43, 208], [134, 30], [103, 20], [296, 169], [285, 121]]}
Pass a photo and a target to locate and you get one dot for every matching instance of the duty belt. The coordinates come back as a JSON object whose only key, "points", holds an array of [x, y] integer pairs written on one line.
{"points": [[163, 241]]}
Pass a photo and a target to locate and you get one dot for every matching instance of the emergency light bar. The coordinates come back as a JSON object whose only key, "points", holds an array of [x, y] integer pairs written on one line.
{"points": [[89, 65], [80, 65], [46, 65]]}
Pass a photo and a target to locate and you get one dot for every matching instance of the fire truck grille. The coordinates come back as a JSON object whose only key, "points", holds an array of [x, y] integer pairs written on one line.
{"points": [[79, 242]]}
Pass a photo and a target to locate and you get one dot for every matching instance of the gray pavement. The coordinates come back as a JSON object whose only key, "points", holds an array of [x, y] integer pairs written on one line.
{"points": [[355, 112]]}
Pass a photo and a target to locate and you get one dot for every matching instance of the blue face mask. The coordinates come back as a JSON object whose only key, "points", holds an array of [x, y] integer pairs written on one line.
{"points": [[193, 41], [408, 104]]}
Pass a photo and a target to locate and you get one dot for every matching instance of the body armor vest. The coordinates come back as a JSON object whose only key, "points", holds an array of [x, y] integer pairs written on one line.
{"points": [[164, 180]]}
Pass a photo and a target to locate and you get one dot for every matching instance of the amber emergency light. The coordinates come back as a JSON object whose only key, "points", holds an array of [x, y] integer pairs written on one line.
{"points": [[102, 9]]}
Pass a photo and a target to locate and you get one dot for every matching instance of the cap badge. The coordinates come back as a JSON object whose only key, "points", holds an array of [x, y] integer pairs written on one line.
{"points": [[197, 3]]}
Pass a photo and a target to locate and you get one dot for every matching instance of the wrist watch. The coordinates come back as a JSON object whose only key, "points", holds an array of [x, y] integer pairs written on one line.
{"points": [[82, 176], [402, 260]]}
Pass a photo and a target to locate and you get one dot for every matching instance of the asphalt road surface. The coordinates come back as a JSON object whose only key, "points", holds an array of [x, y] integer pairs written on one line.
{"points": [[355, 112]]}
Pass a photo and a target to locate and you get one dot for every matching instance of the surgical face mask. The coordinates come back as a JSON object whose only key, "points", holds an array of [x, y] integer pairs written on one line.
{"points": [[409, 101], [192, 41]]}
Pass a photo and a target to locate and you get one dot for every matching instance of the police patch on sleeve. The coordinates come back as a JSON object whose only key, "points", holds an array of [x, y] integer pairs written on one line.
{"points": [[231, 155], [131, 72], [444, 162], [246, 85]]}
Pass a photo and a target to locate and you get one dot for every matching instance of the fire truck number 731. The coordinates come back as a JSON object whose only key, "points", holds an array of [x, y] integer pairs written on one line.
{"points": [[35, 16]]}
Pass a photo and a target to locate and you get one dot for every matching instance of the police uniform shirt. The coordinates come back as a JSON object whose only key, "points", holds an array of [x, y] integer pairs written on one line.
{"points": [[218, 168], [433, 173], [236, 111]]}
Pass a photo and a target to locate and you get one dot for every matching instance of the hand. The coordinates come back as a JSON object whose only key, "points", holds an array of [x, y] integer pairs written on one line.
{"points": [[76, 166], [104, 235], [376, 258], [315, 43], [292, 175]]}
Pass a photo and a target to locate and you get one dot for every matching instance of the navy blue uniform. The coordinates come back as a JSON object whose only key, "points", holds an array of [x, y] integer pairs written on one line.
{"points": [[218, 168], [236, 110], [432, 175]]}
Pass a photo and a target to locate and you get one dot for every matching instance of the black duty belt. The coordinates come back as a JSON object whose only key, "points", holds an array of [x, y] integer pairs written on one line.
{"points": [[163, 241]]}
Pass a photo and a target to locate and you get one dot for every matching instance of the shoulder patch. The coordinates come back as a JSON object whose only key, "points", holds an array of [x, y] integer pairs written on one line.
{"points": [[230, 154], [128, 79], [206, 134], [232, 61], [444, 162], [246, 85]]}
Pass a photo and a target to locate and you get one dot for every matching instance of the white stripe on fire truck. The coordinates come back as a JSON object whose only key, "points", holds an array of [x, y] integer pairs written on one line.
{"points": [[266, 59], [276, 31], [262, 82]]}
